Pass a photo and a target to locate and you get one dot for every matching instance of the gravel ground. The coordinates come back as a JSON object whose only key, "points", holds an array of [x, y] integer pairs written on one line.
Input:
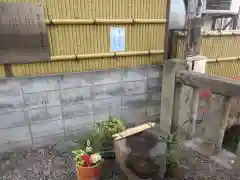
{"points": [[47, 163]]}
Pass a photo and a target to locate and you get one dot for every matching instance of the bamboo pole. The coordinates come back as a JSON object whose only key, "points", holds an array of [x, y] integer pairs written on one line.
{"points": [[224, 59], [132, 131], [104, 21], [104, 55]]}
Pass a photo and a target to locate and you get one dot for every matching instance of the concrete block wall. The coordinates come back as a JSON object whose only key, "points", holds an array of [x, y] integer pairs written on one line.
{"points": [[36, 111]]}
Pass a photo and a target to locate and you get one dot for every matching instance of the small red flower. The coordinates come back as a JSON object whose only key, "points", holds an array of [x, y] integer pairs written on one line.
{"points": [[87, 159]]}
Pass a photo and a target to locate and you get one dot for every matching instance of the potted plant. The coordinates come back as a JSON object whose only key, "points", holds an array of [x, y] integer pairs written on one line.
{"points": [[103, 134], [88, 164]]}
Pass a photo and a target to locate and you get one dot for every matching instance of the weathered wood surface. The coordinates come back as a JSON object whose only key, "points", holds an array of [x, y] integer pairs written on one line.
{"points": [[218, 85], [169, 74]]}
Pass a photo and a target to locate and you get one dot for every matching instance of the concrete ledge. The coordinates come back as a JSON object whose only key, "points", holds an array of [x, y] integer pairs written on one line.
{"points": [[223, 158]]}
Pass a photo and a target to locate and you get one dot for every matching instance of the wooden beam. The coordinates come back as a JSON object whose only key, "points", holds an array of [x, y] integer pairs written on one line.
{"points": [[218, 85]]}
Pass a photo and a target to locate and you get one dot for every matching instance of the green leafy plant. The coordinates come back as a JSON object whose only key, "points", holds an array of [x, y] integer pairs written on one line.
{"points": [[101, 135], [110, 127], [171, 141]]}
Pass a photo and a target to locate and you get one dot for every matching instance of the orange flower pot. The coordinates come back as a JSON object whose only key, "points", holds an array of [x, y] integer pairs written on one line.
{"points": [[88, 173]]}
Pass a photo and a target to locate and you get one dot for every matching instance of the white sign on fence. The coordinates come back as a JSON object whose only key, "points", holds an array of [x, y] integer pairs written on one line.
{"points": [[117, 39]]}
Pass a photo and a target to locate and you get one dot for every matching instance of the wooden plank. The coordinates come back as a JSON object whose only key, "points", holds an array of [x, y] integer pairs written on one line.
{"points": [[168, 83], [132, 131], [218, 85]]}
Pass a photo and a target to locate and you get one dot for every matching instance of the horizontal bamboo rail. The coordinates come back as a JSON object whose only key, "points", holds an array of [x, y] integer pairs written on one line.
{"points": [[105, 55], [104, 21], [224, 59]]}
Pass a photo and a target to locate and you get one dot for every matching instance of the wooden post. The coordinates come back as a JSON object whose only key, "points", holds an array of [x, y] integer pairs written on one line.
{"points": [[216, 123], [171, 66]]}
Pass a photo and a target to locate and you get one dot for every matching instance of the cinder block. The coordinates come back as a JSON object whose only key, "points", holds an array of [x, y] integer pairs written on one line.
{"points": [[155, 71], [75, 80], [12, 119], [75, 95], [39, 84], [79, 124], [107, 91], [134, 101], [11, 103], [48, 140], [77, 110], [134, 115], [105, 77], [16, 134], [44, 114], [105, 115], [154, 98], [37, 100], [47, 128], [153, 110], [10, 87], [107, 104], [135, 87], [13, 146], [135, 74], [154, 85]]}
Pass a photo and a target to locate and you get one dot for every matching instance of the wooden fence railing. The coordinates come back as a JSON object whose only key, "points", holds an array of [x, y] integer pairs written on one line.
{"points": [[176, 78]]}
